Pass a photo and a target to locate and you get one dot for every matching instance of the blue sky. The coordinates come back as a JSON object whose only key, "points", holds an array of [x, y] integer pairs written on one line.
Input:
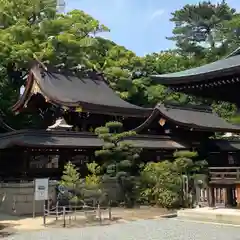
{"points": [[139, 25]]}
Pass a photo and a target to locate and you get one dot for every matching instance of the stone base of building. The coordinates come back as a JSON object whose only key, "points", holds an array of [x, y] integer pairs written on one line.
{"points": [[18, 198]]}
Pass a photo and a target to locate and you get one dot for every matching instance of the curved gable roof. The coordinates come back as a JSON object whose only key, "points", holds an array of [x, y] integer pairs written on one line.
{"points": [[70, 89], [197, 117], [192, 117], [220, 68]]}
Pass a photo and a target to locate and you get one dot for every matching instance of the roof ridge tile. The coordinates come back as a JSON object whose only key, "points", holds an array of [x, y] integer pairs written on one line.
{"points": [[194, 107]]}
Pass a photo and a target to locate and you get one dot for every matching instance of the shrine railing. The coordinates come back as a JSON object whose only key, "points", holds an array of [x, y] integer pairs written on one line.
{"points": [[224, 174]]}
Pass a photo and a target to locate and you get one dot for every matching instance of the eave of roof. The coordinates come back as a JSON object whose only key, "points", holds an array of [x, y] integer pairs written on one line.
{"points": [[40, 138], [197, 118], [226, 145], [191, 117], [221, 68], [20, 103], [70, 90]]}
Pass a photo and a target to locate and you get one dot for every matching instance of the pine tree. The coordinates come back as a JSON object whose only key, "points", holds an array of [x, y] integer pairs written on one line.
{"points": [[71, 181], [71, 176], [119, 157]]}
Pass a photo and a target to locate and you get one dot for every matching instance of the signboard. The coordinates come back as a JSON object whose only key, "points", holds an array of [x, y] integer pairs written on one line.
{"points": [[41, 189]]}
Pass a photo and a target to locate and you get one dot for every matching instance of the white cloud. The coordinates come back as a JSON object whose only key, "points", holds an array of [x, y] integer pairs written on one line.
{"points": [[156, 14]]}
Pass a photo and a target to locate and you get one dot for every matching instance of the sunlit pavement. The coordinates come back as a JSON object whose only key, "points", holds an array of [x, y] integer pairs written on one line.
{"points": [[140, 230], [223, 215]]}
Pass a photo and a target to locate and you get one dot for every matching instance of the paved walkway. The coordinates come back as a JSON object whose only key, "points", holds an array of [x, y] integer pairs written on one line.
{"points": [[224, 211], [17, 223], [167, 229], [224, 215]]}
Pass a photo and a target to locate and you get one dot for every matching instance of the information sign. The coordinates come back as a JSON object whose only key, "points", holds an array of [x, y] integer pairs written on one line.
{"points": [[41, 189]]}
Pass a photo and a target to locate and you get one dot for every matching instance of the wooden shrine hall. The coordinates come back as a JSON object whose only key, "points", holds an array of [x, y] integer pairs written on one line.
{"points": [[220, 81], [71, 104]]}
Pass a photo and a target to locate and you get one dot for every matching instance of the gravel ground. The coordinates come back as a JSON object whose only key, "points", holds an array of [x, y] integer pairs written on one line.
{"points": [[161, 229]]}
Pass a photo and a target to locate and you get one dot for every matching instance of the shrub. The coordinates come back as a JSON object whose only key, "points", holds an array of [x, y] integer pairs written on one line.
{"points": [[160, 184], [92, 185], [71, 182], [164, 183], [93, 179]]}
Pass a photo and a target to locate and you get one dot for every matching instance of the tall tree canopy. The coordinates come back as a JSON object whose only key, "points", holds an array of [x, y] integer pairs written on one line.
{"points": [[197, 26], [34, 29]]}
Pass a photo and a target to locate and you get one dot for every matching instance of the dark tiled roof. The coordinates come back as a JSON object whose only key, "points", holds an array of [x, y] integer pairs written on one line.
{"points": [[91, 93], [72, 139], [156, 143], [196, 117], [226, 145], [220, 68]]}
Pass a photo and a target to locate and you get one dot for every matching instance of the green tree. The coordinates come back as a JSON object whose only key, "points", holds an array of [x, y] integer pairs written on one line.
{"points": [[229, 34], [224, 109], [197, 26], [92, 190], [160, 184], [33, 29], [119, 66], [93, 179], [163, 182], [120, 158], [70, 177], [188, 167], [167, 62], [71, 181]]}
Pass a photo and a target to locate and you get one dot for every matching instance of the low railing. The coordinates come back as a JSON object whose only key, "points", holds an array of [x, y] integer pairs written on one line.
{"points": [[87, 212], [224, 173]]}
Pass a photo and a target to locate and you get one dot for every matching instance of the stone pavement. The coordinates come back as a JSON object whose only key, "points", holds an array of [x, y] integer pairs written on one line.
{"points": [[167, 229], [15, 223], [221, 215], [131, 228]]}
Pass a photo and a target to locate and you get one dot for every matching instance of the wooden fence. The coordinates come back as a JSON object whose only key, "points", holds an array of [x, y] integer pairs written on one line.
{"points": [[71, 213], [224, 175]]}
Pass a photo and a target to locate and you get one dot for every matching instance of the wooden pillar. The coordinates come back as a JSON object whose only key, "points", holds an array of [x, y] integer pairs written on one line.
{"points": [[62, 160], [198, 195], [229, 196], [208, 195], [238, 195], [26, 163], [212, 201]]}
